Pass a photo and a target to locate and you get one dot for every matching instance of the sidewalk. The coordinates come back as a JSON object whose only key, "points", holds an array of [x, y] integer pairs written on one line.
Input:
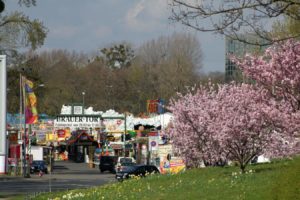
{"points": [[61, 169], [4, 178]]}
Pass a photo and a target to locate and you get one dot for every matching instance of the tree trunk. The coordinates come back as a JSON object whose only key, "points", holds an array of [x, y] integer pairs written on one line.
{"points": [[243, 167]]}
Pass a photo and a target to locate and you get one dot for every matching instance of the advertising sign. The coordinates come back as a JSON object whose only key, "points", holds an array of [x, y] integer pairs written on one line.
{"points": [[172, 166], [77, 122], [61, 134], [113, 125], [41, 137]]}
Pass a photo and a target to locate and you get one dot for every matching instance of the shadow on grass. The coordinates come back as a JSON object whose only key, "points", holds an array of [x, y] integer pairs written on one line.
{"points": [[261, 170]]}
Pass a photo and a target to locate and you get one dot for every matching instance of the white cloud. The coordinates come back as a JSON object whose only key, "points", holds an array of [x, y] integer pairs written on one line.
{"points": [[64, 31], [147, 15]]}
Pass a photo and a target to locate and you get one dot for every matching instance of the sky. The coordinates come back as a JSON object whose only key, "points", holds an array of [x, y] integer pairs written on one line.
{"points": [[86, 26]]}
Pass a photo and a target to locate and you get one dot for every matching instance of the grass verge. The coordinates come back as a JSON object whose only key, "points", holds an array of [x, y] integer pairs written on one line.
{"points": [[277, 180]]}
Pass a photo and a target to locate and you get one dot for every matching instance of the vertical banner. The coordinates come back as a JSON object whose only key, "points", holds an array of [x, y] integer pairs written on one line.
{"points": [[3, 90], [31, 115], [155, 106], [152, 105]]}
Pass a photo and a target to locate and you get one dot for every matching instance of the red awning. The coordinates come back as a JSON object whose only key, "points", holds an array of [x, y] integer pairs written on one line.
{"points": [[75, 138]]}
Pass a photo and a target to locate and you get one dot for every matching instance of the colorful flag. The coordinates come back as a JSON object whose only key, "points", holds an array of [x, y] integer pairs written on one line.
{"points": [[31, 115]]}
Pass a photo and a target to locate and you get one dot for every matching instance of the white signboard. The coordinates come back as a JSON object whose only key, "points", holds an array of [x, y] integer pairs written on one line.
{"points": [[77, 122]]}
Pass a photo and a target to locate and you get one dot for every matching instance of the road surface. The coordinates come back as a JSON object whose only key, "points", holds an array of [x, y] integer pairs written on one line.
{"points": [[66, 175]]}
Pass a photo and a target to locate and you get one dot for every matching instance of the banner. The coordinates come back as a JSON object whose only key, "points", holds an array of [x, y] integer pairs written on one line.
{"points": [[152, 106], [155, 106], [31, 115]]}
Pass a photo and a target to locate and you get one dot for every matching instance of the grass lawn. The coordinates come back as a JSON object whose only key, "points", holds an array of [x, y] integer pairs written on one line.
{"points": [[277, 180]]}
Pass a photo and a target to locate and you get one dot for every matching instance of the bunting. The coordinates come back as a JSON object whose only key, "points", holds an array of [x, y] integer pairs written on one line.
{"points": [[31, 115]]}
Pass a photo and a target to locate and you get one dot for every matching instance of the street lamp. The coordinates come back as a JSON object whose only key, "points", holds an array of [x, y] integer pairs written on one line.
{"points": [[83, 93]]}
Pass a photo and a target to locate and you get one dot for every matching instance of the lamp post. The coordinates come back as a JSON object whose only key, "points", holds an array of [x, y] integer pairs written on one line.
{"points": [[83, 93]]}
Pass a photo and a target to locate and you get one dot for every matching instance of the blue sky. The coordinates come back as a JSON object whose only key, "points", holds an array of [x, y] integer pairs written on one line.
{"points": [[88, 25]]}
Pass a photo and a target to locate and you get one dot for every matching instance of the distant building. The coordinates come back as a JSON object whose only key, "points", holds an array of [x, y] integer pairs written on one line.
{"points": [[237, 48]]}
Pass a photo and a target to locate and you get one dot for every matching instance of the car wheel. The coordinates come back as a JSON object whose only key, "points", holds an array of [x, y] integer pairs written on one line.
{"points": [[120, 180]]}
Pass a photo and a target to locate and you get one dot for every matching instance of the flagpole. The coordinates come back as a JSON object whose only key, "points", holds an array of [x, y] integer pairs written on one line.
{"points": [[25, 136]]}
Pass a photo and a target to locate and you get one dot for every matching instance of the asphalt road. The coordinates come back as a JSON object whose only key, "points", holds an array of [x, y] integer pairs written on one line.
{"points": [[66, 175]]}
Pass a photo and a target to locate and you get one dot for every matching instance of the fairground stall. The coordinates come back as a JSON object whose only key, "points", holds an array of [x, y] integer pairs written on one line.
{"points": [[76, 130]]}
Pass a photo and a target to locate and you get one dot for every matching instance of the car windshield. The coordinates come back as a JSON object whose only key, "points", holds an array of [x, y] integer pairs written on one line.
{"points": [[125, 160], [38, 162], [127, 164]]}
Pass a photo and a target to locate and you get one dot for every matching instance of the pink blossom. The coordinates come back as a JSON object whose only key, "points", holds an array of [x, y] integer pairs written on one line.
{"points": [[231, 122]]}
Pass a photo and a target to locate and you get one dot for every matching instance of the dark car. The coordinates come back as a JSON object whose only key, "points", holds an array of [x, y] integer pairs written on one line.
{"points": [[108, 163], [123, 162], [136, 170], [123, 165], [38, 166]]}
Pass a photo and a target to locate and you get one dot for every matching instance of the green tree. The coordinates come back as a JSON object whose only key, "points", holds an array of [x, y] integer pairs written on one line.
{"points": [[288, 26], [18, 31], [118, 56]]}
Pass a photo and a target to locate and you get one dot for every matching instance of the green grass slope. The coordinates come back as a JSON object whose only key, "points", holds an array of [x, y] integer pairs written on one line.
{"points": [[277, 180]]}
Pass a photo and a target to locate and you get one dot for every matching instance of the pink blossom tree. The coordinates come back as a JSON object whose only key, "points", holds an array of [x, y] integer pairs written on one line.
{"points": [[236, 122], [278, 70], [191, 135], [250, 123]]}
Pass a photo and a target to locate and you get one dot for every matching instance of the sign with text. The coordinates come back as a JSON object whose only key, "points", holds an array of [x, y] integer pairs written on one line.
{"points": [[77, 122]]}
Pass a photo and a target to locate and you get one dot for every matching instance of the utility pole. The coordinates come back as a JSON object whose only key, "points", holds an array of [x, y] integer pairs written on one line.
{"points": [[3, 131]]}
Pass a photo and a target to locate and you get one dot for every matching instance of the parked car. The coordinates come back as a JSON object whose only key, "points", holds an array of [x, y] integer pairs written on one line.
{"points": [[136, 170], [123, 162], [108, 163], [38, 166]]}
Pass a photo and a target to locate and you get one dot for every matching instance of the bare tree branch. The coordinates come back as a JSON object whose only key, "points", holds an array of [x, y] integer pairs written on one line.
{"points": [[234, 18]]}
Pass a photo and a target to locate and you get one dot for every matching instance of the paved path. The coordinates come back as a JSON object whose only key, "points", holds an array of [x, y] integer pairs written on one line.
{"points": [[65, 175]]}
